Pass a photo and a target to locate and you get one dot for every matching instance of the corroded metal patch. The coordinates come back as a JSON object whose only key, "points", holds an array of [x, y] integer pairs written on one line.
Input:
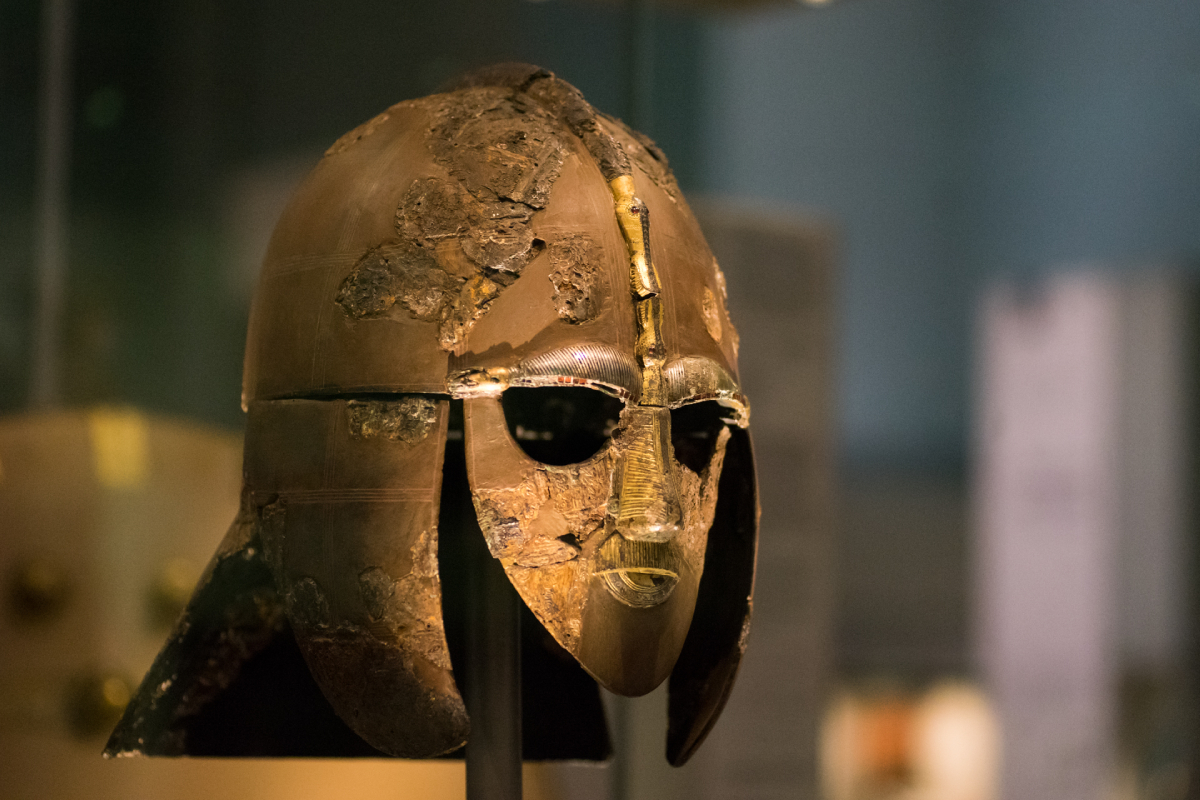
{"points": [[307, 605], [377, 590], [234, 615], [493, 235], [544, 527], [567, 103], [407, 420], [574, 276], [270, 522], [464, 238], [499, 144], [398, 273]]}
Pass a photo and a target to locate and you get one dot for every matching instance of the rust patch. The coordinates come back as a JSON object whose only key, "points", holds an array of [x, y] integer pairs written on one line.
{"points": [[492, 236], [432, 209], [249, 624], [506, 515], [409, 610], [499, 144], [408, 420], [503, 152], [307, 606], [567, 103], [376, 590], [397, 273], [462, 239], [500, 244], [471, 303], [574, 276], [581, 494]]}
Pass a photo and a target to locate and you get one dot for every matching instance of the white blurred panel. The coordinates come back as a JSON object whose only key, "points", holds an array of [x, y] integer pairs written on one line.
{"points": [[1047, 483]]}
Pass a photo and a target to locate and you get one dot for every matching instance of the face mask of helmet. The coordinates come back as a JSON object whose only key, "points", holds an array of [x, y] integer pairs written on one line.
{"points": [[505, 248]]}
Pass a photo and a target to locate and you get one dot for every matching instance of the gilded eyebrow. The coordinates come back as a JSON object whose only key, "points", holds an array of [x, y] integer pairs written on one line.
{"points": [[583, 364], [597, 365], [694, 378]]}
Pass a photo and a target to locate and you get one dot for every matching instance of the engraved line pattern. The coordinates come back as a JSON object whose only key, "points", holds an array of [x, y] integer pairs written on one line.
{"points": [[595, 362]]}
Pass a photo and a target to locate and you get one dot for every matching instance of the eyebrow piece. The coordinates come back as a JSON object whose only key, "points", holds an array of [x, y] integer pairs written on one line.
{"points": [[586, 364], [600, 366], [691, 379]]}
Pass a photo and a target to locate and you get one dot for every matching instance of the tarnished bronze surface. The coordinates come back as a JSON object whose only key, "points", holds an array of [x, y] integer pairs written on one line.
{"points": [[345, 497], [499, 238]]}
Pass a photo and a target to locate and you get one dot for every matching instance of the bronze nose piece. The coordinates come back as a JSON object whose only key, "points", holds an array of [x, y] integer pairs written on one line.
{"points": [[648, 495]]}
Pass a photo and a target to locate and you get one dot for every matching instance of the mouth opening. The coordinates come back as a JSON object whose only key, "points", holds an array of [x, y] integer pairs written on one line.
{"points": [[637, 573]]}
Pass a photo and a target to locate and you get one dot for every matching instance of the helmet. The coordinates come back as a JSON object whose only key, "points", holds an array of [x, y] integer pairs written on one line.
{"points": [[493, 246]]}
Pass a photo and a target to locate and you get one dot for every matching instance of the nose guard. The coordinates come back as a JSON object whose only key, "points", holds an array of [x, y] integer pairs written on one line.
{"points": [[647, 489]]}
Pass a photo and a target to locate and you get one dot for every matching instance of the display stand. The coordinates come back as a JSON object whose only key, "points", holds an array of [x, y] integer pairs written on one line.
{"points": [[492, 680]]}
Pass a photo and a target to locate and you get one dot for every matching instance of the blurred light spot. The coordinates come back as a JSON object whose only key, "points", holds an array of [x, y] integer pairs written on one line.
{"points": [[170, 591], [941, 744], [95, 702], [115, 692], [120, 447]]}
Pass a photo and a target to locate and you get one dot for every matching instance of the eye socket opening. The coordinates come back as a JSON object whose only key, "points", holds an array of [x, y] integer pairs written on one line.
{"points": [[560, 425], [694, 430]]}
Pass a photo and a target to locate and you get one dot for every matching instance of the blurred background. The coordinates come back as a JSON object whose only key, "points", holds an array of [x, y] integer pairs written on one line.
{"points": [[959, 235]]}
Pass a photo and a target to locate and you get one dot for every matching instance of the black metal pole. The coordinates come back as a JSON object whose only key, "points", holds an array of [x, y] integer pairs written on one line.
{"points": [[493, 680], [54, 153]]}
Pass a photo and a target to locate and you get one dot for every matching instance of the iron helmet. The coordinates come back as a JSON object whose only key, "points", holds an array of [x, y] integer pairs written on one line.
{"points": [[504, 266]]}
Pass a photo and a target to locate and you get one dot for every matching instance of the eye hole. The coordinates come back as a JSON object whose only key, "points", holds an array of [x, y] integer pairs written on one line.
{"points": [[694, 430], [560, 424]]}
